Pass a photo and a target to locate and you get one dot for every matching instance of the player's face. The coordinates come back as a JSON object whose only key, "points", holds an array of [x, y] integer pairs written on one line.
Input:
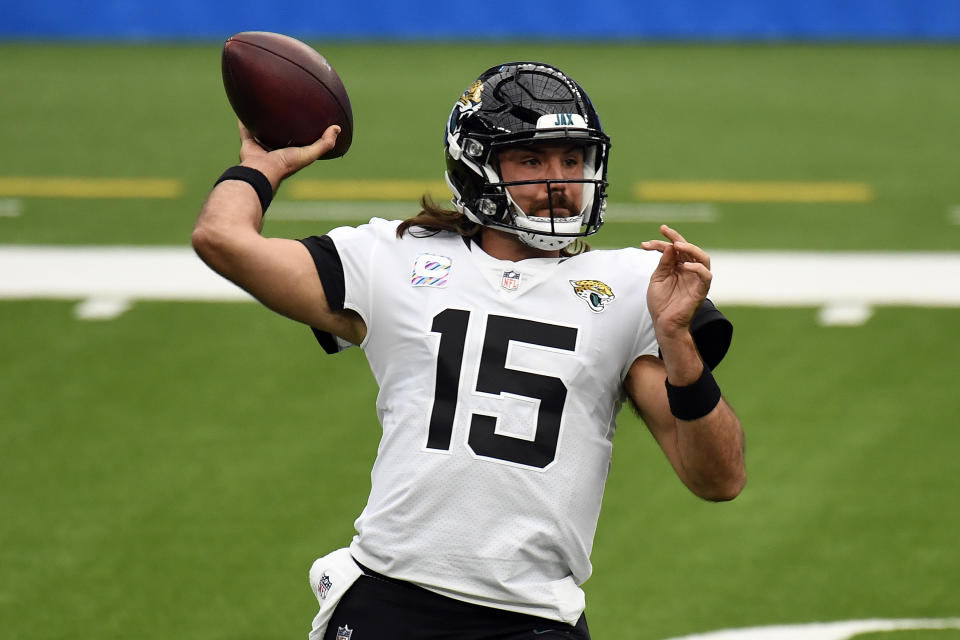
{"points": [[545, 162]]}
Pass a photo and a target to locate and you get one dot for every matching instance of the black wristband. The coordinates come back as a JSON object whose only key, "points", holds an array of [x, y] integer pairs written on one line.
{"points": [[695, 400], [255, 179]]}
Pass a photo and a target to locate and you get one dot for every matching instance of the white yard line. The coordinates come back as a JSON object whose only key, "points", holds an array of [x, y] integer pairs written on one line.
{"points": [[844, 314], [10, 207], [110, 273], [843, 630], [954, 214], [845, 285], [807, 278]]}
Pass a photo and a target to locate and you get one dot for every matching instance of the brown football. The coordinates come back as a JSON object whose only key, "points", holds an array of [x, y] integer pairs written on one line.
{"points": [[284, 91]]}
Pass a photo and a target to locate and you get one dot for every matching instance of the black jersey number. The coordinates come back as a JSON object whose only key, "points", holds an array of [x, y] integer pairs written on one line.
{"points": [[494, 377]]}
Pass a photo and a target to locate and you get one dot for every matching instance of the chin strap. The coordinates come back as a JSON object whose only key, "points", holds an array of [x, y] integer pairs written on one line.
{"points": [[537, 241]]}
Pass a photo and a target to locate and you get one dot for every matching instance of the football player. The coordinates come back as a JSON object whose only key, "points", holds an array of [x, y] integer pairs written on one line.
{"points": [[503, 349]]}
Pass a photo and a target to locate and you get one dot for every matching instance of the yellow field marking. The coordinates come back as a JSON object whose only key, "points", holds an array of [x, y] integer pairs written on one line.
{"points": [[367, 189], [720, 191], [20, 187], [662, 191]]}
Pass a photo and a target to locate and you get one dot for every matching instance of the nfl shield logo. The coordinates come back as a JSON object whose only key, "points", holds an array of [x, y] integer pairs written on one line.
{"points": [[344, 633], [510, 280]]}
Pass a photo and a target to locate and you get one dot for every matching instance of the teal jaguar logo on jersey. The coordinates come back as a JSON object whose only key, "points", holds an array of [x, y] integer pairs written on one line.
{"points": [[596, 294]]}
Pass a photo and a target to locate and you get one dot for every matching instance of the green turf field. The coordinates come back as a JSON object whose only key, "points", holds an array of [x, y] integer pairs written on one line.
{"points": [[174, 471]]}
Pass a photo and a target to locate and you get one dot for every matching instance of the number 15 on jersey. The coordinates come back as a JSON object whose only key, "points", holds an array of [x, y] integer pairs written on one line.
{"points": [[496, 378]]}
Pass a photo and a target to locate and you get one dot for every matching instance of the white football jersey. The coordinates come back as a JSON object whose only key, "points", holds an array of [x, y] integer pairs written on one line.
{"points": [[500, 383]]}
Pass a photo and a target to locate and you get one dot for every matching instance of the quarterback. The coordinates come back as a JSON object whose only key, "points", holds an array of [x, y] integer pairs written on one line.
{"points": [[503, 348]]}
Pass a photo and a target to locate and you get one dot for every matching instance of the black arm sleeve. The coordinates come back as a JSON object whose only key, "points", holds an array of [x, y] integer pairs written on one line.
{"points": [[711, 332], [330, 270]]}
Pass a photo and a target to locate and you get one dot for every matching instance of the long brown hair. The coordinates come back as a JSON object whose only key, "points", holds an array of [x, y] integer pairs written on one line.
{"points": [[433, 219]]}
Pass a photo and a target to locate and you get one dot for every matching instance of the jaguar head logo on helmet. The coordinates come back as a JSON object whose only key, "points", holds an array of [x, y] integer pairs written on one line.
{"points": [[517, 105]]}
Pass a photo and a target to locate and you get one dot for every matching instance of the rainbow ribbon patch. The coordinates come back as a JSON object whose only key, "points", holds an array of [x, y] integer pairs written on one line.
{"points": [[431, 271]]}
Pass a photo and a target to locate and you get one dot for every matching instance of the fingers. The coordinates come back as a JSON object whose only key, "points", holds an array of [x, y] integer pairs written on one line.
{"points": [[700, 270], [331, 134], [282, 163], [655, 245], [685, 251], [691, 253], [293, 159], [666, 268], [244, 132], [250, 149], [323, 146], [247, 140], [296, 158], [672, 234]]}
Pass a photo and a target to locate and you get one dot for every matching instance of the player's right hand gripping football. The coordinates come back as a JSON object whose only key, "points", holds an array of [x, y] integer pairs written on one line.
{"points": [[282, 163]]}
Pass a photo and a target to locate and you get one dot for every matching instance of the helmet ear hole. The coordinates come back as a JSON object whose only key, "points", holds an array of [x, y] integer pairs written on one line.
{"points": [[472, 148], [487, 207]]}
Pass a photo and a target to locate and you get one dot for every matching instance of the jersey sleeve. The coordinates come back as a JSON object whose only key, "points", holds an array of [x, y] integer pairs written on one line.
{"points": [[344, 261], [330, 269], [645, 343], [638, 265]]}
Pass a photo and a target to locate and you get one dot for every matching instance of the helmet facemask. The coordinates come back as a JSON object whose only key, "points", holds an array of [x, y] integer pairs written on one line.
{"points": [[556, 229]]}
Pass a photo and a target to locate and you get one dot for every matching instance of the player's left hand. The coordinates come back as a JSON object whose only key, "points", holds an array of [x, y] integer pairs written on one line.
{"points": [[679, 283]]}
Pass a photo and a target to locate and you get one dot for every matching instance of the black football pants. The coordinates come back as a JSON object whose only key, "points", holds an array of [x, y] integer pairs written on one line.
{"points": [[381, 608]]}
